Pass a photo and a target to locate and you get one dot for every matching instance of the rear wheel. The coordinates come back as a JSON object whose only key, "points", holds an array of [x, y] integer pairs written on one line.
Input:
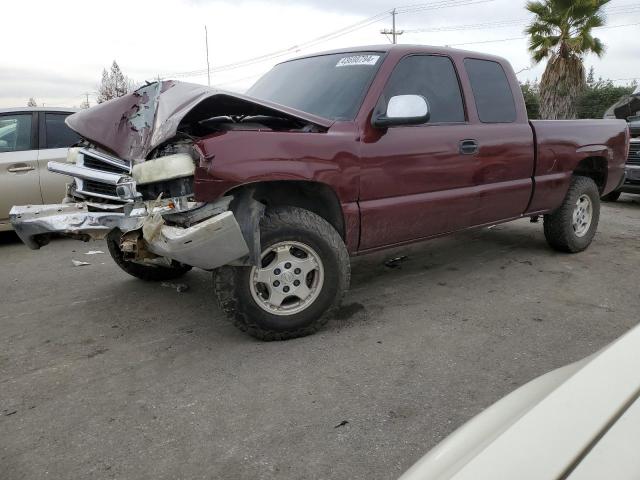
{"points": [[573, 225], [147, 272], [304, 273]]}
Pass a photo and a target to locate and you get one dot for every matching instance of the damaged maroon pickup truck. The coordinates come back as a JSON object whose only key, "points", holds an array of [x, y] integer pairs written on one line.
{"points": [[326, 156]]}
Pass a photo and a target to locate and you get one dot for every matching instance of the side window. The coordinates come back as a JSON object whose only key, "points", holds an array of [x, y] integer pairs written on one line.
{"points": [[491, 90], [58, 134], [15, 132], [433, 77]]}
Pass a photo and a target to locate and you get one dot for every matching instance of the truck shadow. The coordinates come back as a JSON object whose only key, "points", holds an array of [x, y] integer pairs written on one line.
{"points": [[182, 318], [9, 238], [458, 252], [626, 201]]}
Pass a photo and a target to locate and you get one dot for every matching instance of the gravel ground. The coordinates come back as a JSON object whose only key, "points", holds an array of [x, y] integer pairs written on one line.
{"points": [[104, 376]]}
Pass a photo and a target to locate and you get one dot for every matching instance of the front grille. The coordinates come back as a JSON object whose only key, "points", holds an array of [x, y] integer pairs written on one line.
{"points": [[91, 186], [101, 163], [91, 162], [634, 154]]}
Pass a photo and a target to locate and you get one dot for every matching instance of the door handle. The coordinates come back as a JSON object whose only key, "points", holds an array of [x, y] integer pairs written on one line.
{"points": [[468, 147], [20, 169]]}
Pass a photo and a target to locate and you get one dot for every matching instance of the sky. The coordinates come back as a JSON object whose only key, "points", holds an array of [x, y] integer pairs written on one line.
{"points": [[59, 58]]}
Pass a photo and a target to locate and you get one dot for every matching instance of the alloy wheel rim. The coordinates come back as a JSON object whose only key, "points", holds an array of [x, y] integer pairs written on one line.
{"points": [[582, 216], [289, 280]]}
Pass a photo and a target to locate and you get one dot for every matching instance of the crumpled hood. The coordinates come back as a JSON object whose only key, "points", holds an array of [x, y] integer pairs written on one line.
{"points": [[133, 125]]}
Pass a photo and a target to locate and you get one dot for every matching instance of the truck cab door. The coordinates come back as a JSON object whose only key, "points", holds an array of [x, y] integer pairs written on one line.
{"points": [[504, 160], [19, 180], [55, 140], [471, 164], [415, 181]]}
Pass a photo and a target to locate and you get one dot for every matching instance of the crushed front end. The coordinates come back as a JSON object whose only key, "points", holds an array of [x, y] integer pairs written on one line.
{"points": [[109, 193], [134, 174]]}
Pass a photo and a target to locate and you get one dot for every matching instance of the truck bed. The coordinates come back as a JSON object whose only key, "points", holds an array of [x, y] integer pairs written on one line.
{"points": [[561, 146]]}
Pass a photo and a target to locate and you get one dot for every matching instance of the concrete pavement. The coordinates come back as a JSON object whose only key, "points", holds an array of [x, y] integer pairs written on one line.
{"points": [[105, 376]]}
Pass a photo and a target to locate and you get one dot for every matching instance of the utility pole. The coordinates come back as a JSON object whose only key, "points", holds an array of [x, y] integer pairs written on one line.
{"points": [[206, 42], [393, 32]]}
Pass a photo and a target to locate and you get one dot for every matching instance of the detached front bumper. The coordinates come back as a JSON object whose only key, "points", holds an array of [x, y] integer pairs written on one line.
{"points": [[34, 224], [206, 236]]}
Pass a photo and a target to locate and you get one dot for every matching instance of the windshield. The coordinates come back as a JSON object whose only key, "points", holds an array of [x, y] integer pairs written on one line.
{"points": [[331, 86]]}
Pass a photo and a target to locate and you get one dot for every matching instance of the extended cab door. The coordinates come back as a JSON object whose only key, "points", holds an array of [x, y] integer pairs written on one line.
{"points": [[452, 172], [505, 159], [55, 140], [19, 182]]}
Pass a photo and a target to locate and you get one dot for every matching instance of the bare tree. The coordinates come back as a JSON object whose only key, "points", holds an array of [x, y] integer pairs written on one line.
{"points": [[114, 84], [32, 102]]}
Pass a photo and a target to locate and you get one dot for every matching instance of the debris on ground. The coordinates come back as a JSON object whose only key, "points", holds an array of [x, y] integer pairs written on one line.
{"points": [[178, 287], [396, 261], [94, 252], [342, 423], [78, 263]]}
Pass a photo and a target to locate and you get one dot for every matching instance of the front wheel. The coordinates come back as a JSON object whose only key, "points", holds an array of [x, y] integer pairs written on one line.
{"points": [[151, 273], [573, 225], [304, 273]]}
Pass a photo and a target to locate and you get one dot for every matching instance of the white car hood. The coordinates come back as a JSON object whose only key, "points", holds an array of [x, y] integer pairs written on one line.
{"points": [[552, 427]]}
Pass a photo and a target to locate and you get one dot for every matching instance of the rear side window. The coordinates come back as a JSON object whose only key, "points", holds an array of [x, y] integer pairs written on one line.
{"points": [[491, 90], [434, 78], [58, 134], [15, 132]]}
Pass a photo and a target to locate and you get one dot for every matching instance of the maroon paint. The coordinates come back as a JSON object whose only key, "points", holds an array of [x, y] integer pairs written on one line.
{"points": [[240, 157], [407, 183], [562, 144]]}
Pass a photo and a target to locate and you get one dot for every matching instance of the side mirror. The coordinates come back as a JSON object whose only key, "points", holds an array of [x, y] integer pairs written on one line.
{"points": [[403, 110]]}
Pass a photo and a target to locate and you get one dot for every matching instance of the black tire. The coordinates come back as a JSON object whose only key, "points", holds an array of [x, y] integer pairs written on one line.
{"points": [[232, 284], [612, 197], [558, 226], [149, 273]]}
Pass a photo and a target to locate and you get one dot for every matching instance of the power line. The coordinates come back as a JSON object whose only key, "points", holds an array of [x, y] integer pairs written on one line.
{"points": [[330, 36], [237, 80], [523, 37], [279, 53], [615, 10], [473, 26], [421, 7], [393, 32], [486, 41]]}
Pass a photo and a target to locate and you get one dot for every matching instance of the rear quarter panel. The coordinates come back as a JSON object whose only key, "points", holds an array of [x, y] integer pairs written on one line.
{"points": [[562, 144]]}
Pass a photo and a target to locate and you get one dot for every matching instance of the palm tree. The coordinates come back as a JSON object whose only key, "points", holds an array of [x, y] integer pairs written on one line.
{"points": [[561, 32]]}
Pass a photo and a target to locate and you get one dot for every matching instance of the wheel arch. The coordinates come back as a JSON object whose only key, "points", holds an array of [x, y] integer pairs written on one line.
{"points": [[316, 197], [594, 167]]}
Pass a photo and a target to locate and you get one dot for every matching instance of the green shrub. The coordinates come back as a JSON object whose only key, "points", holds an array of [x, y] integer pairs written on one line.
{"points": [[599, 96], [594, 101]]}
